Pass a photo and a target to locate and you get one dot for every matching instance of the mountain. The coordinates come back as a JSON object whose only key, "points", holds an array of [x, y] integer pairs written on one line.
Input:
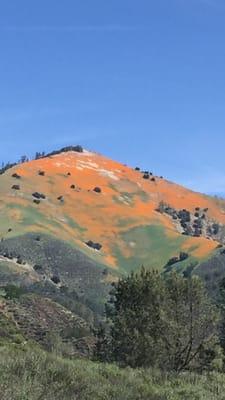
{"points": [[133, 217], [73, 221]]}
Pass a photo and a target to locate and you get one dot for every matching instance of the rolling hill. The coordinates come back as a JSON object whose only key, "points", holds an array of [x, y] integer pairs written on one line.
{"points": [[117, 216], [73, 221]]}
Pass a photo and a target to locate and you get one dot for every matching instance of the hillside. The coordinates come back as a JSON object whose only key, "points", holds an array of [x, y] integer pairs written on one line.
{"points": [[73, 221], [118, 216]]}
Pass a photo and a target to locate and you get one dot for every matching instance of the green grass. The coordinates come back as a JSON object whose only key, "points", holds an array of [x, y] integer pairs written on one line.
{"points": [[153, 247], [9, 334], [129, 195], [30, 216], [33, 215], [73, 224], [32, 374], [125, 222]]}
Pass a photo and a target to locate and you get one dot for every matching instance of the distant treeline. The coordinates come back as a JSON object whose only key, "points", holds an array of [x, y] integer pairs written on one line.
{"points": [[38, 155]]}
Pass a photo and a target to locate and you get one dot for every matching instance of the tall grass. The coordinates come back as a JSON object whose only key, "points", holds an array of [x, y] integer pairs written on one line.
{"points": [[32, 374]]}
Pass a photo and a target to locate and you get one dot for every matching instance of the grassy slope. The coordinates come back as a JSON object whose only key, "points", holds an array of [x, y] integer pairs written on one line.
{"points": [[152, 237], [122, 218], [78, 273], [31, 318], [31, 374]]}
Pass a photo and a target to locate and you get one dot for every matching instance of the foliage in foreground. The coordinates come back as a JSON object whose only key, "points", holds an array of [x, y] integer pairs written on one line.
{"points": [[167, 323], [32, 374]]}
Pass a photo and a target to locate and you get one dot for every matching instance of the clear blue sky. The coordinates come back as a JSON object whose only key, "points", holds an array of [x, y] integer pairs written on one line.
{"points": [[141, 81]]}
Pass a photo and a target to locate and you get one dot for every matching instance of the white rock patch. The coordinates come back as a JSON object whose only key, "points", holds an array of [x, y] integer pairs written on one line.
{"points": [[95, 167], [109, 174]]}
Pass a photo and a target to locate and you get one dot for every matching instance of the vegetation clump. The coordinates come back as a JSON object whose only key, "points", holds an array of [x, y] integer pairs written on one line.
{"points": [[36, 201], [16, 187], [182, 256], [16, 176], [55, 279], [38, 195], [93, 245], [38, 267], [77, 149], [60, 198], [97, 189], [29, 373], [13, 292], [6, 166], [166, 323]]}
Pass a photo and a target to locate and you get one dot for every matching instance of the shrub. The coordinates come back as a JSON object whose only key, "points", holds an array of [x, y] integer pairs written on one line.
{"points": [[16, 187], [95, 246], [36, 201], [15, 175], [183, 256], [55, 279], [97, 189], [13, 292]]}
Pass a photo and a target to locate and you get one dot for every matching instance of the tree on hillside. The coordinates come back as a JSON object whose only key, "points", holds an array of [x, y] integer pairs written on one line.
{"points": [[191, 323], [221, 303], [23, 159], [159, 322], [39, 155]]}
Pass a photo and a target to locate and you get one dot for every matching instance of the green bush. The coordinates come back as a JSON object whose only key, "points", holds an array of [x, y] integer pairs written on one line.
{"points": [[13, 292]]}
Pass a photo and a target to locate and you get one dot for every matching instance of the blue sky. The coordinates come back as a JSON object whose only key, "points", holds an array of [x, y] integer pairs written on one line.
{"points": [[140, 81]]}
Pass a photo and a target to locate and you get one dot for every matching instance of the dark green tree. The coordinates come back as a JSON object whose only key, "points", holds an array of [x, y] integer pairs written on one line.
{"points": [[221, 303], [154, 321], [191, 322], [102, 348]]}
